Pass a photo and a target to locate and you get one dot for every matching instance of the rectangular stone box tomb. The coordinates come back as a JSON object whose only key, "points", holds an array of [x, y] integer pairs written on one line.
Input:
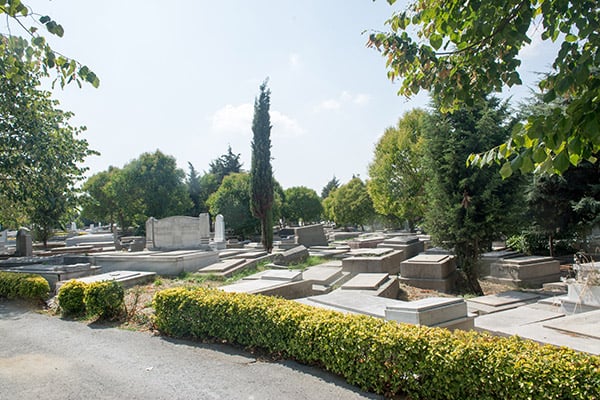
{"points": [[432, 311]]}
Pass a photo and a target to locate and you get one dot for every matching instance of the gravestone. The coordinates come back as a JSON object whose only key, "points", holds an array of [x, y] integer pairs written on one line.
{"points": [[24, 243], [219, 228], [178, 233], [311, 235], [429, 271], [410, 245], [525, 271]]}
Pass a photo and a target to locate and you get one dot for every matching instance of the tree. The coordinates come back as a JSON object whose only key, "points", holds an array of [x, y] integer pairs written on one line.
{"points": [[98, 201], [397, 173], [351, 204], [469, 208], [232, 200], [21, 56], [226, 164], [261, 172], [194, 190], [302, 203], [467, 50], [333, 184], [40, 152]]}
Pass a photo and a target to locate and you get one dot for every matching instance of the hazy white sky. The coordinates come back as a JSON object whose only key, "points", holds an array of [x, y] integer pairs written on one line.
{"points": [[181, 76]]}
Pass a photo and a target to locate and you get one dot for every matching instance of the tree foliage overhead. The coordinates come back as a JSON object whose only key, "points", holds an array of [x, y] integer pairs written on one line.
{"points": [[333, 184], [261, 172], [32, 52], [465, 50], [397, 184]]}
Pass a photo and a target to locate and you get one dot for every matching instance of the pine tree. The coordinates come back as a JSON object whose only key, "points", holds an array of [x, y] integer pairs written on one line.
{"points": [[261, 184]]}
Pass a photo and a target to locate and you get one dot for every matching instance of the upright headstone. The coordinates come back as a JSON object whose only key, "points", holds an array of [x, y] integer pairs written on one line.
{"points": [[24, 243], [73, 227], [204, 220], [219, 228]]}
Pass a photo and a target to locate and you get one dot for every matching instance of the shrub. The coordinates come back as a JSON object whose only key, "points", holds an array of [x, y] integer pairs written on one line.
{"points": [[383, 356], [105, 299], [25, 286], [71, 298]]}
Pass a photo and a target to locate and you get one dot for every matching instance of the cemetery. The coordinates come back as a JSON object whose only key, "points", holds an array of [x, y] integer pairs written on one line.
{"points": [[457, 254]]}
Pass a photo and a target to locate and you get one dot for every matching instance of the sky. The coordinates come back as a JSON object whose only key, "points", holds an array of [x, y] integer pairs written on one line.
{"points": [[181, 76]]}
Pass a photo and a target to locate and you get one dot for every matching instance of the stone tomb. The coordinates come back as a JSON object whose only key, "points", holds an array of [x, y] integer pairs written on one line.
{"points": [[373, 261], [56, 273], [178, 233], [429, 271], [284, 283], [525, 271], [434, 311], [369, 241], [487, 259], [410, 245], [125, 278], [310, 235]]}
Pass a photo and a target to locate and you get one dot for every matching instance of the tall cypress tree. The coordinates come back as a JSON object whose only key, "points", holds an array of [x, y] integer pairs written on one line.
{"points": [[261, 172]]}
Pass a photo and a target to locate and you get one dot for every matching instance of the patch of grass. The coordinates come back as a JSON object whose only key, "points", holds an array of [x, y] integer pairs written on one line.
{"points": [[311, 261], [259, 267]]}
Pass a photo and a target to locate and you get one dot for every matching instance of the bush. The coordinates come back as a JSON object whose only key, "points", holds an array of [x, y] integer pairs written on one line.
{"points": [[24, 286], [71, 298], [382, 356], [105, 299]]}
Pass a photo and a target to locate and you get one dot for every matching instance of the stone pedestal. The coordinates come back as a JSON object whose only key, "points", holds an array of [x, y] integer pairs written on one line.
{"points": [[410, 245], [24, 243], [525, 271], [429, 271], [434, 311], [373, 260]]}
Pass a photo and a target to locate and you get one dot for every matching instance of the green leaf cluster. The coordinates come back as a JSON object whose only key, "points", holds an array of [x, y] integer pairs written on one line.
{"points": [[15, 285], [33, 53], [382, 356], [301, 203], [464, 51], [350, 204]]}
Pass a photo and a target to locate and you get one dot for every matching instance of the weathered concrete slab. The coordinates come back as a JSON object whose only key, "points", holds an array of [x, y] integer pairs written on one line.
{"points": [[222, 266], [355, 302], [310, 235], [56, 273], [506, 321], [250, 254], [388, 262], [586, 324], [525, 271], [126, 278], [278, 275], [501, 299], [322, 275], [366, 281], [431, 311]]}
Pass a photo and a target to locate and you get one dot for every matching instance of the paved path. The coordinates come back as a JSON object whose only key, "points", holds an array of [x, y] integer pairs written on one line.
{"points": [[48, 358]]}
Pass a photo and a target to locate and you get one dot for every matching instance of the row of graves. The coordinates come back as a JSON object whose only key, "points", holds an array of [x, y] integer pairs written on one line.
{"points": [[363, 275]]}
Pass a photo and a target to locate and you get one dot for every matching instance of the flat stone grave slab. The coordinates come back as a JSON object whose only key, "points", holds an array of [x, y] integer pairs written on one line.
{"points": [[322, 275], [126, 278], [505, 298], [354, 302], [431, 311], [251, 285], [250, 254], [506, 321], [277, 275], [376, 252], [585, 324], [366, 281], [222, 266]]}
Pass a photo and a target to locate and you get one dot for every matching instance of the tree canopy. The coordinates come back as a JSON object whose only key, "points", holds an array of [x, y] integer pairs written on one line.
{"points": [[465, 50], [397, 184], [350, 204], [302, 203], [228, 163]]}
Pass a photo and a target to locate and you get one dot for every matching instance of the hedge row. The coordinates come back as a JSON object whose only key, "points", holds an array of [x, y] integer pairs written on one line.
{"points": [[104, 299], [24, 286], [381, 356]]}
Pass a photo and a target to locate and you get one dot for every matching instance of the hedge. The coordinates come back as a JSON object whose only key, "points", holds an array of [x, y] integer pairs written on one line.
{"points": [[105, 299], [24, 286], [382, 356]]}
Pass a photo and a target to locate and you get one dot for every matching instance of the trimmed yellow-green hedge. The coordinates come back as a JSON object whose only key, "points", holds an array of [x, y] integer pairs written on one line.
{"points": [[15, 285], [105, 299], [381, 356]]}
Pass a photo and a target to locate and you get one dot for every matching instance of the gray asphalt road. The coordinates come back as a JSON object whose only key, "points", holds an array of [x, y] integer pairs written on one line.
{"points": [[47, 358]]}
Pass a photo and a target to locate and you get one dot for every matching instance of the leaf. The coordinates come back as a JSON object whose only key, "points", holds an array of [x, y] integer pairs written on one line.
{"points": [[436, 41], [571, 38], [506, 170], [561, 161], [45, 19]]}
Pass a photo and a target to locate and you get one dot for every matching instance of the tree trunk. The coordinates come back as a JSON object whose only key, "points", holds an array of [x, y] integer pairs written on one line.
{"points": [[266, 230]]}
